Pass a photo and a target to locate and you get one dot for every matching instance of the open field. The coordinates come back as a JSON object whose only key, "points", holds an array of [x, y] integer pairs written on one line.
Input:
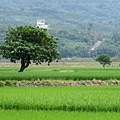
{"points": [[56, 115], [60, 73], [90, 99], [60, 103]]}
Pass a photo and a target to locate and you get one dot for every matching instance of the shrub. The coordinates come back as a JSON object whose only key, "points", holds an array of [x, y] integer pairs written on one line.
{"points": [[2, 84], [8, 83]]}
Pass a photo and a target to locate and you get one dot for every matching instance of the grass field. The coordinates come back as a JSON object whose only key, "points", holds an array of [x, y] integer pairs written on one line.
{"points": [[60, 73], [56, 115], [60, 103], [90, 99]]}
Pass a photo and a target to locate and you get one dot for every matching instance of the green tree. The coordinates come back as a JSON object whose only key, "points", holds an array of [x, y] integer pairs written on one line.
{"points": [[27, 43], [104, 59]]}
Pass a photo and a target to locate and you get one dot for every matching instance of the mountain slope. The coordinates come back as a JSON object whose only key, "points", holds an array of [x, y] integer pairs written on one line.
{"points": [[77, 23], [63, 14]]}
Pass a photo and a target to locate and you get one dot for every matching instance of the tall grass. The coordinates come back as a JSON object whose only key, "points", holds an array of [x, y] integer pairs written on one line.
{"points": [[96, 99], [56, 115], [66, 73]]}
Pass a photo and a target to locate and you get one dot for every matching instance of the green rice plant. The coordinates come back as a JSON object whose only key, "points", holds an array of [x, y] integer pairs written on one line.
{"points": [[56, 115], [94, 99], [60, 73]]}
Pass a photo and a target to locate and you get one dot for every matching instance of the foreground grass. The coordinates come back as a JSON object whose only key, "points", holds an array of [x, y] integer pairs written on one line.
{"points": [[90, 99], [60, 73], [56, 115]]}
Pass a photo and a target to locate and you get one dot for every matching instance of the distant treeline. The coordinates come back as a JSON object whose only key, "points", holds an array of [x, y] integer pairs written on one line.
{"points": [[73, 43], [63, 14]]}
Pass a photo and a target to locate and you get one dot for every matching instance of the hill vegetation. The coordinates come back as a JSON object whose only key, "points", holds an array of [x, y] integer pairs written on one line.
{"points": [[78, 24]]}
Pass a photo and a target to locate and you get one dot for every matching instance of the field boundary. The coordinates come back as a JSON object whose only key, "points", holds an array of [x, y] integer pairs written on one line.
{"points": [[38, 83], [79, 63]]}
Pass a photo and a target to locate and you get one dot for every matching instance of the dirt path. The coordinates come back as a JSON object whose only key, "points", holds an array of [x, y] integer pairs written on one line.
{"points": [[84, 64]]}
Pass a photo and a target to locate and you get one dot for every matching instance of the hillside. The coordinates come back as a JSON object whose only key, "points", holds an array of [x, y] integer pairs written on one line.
{"points": [[64, 14], [74, 16]]}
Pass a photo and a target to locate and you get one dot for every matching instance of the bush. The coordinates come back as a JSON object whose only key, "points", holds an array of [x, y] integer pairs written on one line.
{"points": [[8, 83], [2, 84]]}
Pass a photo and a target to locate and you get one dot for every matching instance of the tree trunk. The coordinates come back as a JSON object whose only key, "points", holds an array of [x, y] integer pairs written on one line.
{"points": [[23, 64], [22, 68], [104, 65]]}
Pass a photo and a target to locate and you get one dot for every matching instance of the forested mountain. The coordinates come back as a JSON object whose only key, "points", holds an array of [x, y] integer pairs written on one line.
{"points": [[63, 14], [77, 23]]}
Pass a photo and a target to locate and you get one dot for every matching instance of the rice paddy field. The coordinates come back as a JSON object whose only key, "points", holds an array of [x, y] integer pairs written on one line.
{"points": [[56, 115], [60, 73], [58, 102]]}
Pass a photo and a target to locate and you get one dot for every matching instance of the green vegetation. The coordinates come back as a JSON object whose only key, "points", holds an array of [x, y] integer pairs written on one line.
{"points": [[94, 99], [60, 73], [27, 43], [62, 14], [2, 84], [56, 103], [56, 115], [104, 59], [111, 45], [78, 24], [75, 43]]}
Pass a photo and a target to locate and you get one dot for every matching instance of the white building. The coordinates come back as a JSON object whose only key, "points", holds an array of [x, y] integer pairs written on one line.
{"points": [[41, 24]]}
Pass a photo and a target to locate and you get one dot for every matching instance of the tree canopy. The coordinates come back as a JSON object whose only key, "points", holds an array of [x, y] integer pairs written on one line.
{"points": [[73, 23], [28, 43], [103, 59]]}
